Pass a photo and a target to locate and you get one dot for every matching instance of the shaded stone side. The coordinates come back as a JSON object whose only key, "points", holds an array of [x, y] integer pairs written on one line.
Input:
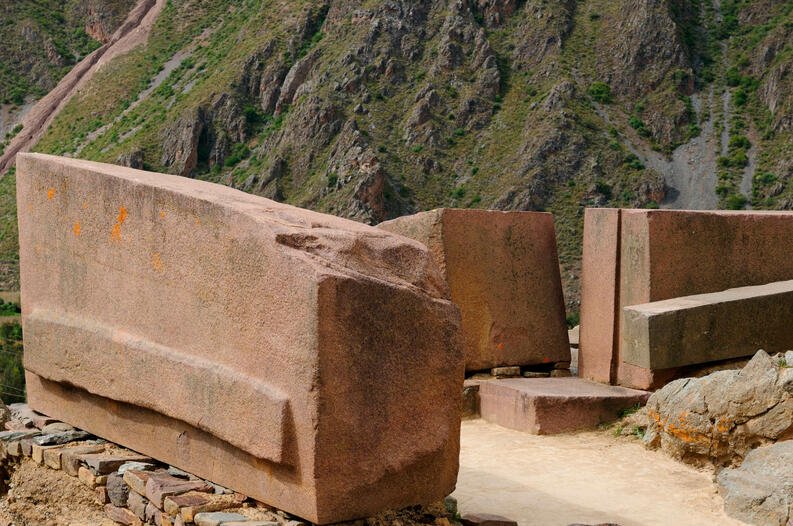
{"points": [[503, 272]]}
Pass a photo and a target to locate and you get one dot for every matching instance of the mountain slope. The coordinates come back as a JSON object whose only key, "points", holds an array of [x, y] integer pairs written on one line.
{"points": [[379, 108]]}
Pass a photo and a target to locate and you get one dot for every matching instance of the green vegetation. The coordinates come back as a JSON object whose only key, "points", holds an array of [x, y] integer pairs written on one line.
{"points": [[601, 92], [12, 376]]}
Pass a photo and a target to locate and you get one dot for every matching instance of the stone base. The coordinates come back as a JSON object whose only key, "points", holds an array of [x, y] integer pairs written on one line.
{"points": [[186, 447], [546, 406]]}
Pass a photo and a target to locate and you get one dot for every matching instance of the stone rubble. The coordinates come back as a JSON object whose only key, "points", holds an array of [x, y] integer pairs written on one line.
{"points": [[136, 490]]}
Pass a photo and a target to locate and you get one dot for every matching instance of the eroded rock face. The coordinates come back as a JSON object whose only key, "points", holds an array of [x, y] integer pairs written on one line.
{"points": [[760, 491], [317, 361], [721, 417]]}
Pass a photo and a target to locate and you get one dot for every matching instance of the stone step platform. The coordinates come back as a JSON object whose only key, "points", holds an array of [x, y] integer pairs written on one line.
{"points": [[546, 406]]}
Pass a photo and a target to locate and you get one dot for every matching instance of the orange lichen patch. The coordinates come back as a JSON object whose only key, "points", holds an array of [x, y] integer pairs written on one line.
{"points": [[686, 434], [85, 205], [115, 234], [76, 228], [156, 262], [162, 214], [51, 194], [724, 425]]}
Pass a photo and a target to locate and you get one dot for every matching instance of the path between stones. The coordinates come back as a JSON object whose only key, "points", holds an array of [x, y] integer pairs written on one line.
{"points": [[587, 478]]}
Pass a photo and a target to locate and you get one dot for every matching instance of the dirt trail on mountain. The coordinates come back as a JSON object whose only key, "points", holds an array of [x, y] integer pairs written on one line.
{"points": [[132, 33]]}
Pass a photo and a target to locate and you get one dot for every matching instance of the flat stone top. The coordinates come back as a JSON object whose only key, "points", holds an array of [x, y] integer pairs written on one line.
{"points": [[701, 300], [332, 244], [563, 388]]}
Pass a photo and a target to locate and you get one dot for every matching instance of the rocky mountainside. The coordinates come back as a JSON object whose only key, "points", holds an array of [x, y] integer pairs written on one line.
{"points": [[376, 109]]}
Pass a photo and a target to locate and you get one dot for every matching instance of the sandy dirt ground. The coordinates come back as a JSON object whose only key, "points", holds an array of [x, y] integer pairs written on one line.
{"points": [[588, 478]]}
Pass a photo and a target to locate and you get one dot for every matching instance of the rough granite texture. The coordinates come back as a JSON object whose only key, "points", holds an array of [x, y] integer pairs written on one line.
{"points": [[665, 254], [719, 418], [303, 353], [760, 491], [503, 272], [709, 327]]}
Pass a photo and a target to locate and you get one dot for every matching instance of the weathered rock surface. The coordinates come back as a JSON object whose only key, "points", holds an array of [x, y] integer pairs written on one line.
{"points": [[721, 417], [302, 335], [503, 272], [634, 257], [760, 491]]}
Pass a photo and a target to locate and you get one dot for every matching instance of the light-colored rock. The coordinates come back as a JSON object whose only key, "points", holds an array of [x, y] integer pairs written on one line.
{"points": [[720, 417], [161, 485], [503, 272], [486, 519], [137, 504], [217, 518], [760, 491], [136, 480], [302, 335], [691, 330]]}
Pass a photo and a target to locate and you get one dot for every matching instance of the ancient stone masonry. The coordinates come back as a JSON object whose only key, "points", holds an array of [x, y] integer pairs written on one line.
{"points": [[655, 301], [503, 272], [133, 489], [292, 356]]}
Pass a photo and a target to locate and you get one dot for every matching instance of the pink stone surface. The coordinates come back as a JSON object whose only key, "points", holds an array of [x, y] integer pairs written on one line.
{"points": [[665, 254], [599, 289], [545, 406], [314, 359], [503, 272]]}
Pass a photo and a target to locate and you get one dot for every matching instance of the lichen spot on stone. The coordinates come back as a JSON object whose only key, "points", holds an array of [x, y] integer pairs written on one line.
{"points": [[115, 234], [76, 228], [50, 194], [162, 214], [156, 262]]}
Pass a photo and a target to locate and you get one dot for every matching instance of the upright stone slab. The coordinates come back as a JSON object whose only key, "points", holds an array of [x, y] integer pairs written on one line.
{"points": [[308, 361], [503, 272], [665, 254], [599, 290]]}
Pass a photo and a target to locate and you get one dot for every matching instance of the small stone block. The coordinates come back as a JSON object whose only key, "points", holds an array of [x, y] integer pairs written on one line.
{"points": [[161, 485], [117, 490], [211, 503], [486, 519], [137, 480], [101, 495], [536, 374], [26, 444], [217, 518], [122, 515], [71, 457], [137, 503], [60, 438], [55, 428], [52, 458], [103, 464], [173, 503], [88, 478], [137, 466], [37, 452], [505, 372], [561, 373]]}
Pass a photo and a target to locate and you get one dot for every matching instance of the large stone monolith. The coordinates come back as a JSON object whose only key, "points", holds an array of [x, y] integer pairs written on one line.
{"points": [[308, 361], [503, 272]]}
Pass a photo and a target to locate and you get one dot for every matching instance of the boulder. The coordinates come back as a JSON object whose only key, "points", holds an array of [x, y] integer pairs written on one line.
{"points": [[719, 418], [760, 491], [315, 360]]}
